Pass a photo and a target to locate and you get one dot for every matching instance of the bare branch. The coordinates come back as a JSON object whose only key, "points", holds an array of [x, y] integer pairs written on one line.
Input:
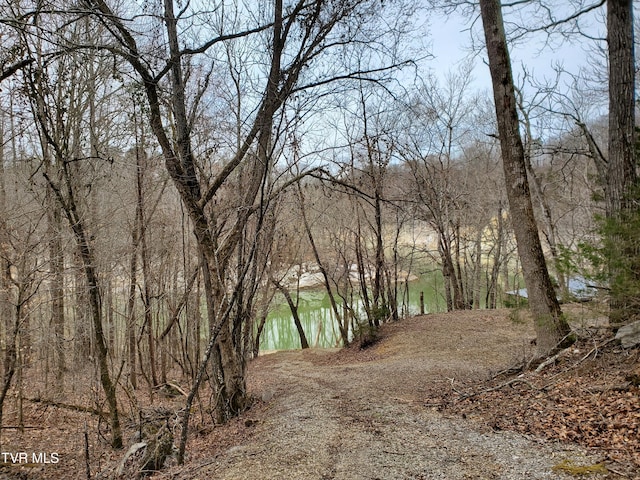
{"points": [[7, 72]]}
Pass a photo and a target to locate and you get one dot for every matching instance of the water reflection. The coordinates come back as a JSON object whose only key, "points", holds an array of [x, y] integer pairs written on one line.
{"points": [[316, 316]]}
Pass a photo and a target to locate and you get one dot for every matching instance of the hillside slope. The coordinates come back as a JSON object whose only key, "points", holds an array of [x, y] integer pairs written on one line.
{"points": [[384, 412]]}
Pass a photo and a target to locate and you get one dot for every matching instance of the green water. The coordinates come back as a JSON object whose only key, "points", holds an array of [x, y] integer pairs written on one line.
{"points": [[317, 319]]}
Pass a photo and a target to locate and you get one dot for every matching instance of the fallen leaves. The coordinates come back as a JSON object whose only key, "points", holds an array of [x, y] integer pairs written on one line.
{"points": [[586, 401]]}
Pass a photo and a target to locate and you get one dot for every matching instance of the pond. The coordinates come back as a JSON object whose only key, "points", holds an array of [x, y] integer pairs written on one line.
{"points": [[317, 319]]}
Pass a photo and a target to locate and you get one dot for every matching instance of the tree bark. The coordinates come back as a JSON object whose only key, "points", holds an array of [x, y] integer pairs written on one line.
{"points": [[621, 174], [621, 168], [551, 327], [56, 261]]}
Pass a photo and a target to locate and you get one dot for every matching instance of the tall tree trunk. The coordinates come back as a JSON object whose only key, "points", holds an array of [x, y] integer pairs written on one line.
{"points": [[56, 261], [146, 290], [131, 303], [378, 276], [492, 288], [267, 297], [362, 275], [54, 133], [551, 327], [621, 172], [453, 291], [474, 292], [10, 358], [9, 326]]}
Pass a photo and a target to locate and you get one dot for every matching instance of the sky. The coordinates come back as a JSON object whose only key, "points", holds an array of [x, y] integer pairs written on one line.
{"points": [[451, 42]]}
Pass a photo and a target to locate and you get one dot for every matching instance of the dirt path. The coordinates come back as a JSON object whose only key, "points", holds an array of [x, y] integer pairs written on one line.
{"points": [[362, 415]]}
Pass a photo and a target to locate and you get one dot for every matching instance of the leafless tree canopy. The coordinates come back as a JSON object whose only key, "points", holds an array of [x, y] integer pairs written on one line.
{"points": [[170, 172]]}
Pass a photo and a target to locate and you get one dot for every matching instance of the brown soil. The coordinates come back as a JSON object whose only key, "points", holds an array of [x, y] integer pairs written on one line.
{"points": [[424, 402]]}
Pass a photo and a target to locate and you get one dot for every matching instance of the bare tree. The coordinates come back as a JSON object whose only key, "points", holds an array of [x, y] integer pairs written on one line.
{"points": [[59, 114], [438, 127], [285, 265], [9, 326], [551, 328]]}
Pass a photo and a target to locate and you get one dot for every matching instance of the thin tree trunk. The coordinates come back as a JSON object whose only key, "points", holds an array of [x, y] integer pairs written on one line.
{"points": [[378, 280], [9, 327], [293, 306], [362, 269], [89, 265], [146, 292], [131, 303], [56, 259], [492, 289], [538, 192], [474, 293], [267, 297], [10, 360], [343, 324]]}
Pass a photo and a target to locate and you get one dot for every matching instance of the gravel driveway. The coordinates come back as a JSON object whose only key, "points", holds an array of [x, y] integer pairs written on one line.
{"points": [[363, 414]]}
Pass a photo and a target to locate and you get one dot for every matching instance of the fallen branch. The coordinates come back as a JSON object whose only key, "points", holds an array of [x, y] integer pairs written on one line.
{"points": [[550, 360], [135, 448], [166, 389], [12, 427], [512, 370], [67, 406], [617, 472]]}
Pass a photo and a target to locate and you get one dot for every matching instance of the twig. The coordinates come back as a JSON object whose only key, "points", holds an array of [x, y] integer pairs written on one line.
{"points": [[86, 451], [451, 381], [617, 472], [594, 349], [393, 453], [13, 427], [498, 387], [549, 361], [510, 370], [621, 387]]}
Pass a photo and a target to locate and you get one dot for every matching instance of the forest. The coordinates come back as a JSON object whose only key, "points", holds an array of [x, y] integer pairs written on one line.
{"points": [[172, 172]]}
